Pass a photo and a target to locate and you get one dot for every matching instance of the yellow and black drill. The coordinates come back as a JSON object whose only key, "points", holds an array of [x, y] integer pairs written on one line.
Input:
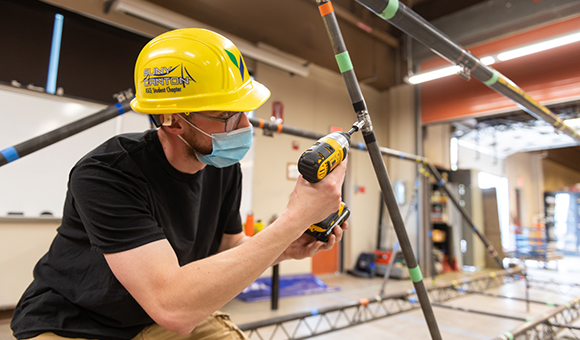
{"points": [[317, 162]]}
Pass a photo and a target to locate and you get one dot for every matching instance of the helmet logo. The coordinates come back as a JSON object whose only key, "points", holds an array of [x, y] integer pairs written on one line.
{"points": [[240, 66], [160, 79]]}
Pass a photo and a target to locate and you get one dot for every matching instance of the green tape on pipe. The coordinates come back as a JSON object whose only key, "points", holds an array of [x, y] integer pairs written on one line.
{"points": [[344, 62], [509, 335], [415, 274], [391, 10], [493, 78]]}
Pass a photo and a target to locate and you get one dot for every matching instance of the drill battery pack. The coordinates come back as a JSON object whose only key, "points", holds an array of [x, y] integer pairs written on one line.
{"points": [[322, 230]]}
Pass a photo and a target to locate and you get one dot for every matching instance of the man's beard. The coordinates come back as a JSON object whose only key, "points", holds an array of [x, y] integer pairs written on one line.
{"points": [[197, 146]]}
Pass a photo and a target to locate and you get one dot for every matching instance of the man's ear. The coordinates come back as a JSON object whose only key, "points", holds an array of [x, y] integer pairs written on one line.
{"points": [[171, 123]]}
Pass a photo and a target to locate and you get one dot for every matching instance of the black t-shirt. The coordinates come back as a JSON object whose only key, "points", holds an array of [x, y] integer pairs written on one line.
{"points": [[122, 195]]}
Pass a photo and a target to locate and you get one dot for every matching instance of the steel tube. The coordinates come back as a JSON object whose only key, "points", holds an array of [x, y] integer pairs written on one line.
{"points": [[274, 298], [512, 298], [412, 24], [270, 126], [468, 310], [18, 151], [358, 102]]}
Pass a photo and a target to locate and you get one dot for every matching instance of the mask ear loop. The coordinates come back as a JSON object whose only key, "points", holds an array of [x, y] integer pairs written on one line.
{"points": [[186, 143], [195, 127]]}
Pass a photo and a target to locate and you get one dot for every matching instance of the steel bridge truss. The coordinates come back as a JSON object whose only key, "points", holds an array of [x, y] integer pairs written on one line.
{"points": [[548, 325], [322, 321]]}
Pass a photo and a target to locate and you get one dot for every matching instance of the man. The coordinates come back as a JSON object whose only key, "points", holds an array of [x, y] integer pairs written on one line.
{"points": [[151, 242]]}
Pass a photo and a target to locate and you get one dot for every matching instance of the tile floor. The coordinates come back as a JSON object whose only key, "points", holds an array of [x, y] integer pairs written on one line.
{"points": [[453, 324]]}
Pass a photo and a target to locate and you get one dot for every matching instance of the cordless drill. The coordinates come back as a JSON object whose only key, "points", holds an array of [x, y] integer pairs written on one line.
{"points": [[316, 163]]}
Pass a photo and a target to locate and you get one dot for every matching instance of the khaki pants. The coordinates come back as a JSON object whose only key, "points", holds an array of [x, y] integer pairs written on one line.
{"points": [[217, 326]]}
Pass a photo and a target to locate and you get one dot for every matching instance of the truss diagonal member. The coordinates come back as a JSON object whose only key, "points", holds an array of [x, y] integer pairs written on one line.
{"points": [[544, 326]]}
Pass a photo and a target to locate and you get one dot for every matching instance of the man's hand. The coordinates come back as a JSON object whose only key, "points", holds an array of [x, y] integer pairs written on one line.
{"points": [[307, 246], [312, 202]]}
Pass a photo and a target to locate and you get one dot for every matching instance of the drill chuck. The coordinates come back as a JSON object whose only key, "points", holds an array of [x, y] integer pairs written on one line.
{"points": [[322, 157]]}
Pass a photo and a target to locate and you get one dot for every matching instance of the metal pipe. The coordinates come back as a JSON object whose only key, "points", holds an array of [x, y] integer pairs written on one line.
{"points": [[358, 102], [402, 17], [527, 300], [273, 127], [18, 151], [281, 128], [463, 309], [275, 293]]}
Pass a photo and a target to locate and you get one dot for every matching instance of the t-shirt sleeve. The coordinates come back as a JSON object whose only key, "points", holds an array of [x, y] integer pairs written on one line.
{"points": [[113, 206], [230, 212]]}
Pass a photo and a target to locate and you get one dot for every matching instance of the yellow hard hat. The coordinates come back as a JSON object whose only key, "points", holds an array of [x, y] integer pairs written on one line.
{"points": [[193, 69]]}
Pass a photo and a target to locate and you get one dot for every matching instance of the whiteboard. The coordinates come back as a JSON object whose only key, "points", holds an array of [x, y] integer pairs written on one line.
{"points": [[36, 183]]}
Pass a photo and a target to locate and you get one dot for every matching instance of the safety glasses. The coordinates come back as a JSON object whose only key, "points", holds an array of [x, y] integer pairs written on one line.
{"points": [[229, 118]]}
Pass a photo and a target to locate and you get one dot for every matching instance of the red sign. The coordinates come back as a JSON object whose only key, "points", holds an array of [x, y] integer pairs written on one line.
{"points": [[277, 112]]}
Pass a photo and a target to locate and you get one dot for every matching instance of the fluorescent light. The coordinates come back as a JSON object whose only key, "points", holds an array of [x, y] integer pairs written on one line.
{"points": [[545, 45], [487, 60], [54, 53], [427, 76], [518, 52], [166, 18], [444, 72]]}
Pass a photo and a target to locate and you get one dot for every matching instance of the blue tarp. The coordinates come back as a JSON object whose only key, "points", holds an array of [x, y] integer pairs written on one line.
{"points": [[290, 285]]}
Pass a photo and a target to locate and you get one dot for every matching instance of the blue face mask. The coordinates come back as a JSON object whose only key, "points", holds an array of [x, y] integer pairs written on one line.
{"points": [[228, 148]]}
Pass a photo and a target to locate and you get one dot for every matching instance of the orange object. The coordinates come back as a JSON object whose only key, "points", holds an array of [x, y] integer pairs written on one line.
{"points": [[383, 256], [326, 9], [250, 225]]}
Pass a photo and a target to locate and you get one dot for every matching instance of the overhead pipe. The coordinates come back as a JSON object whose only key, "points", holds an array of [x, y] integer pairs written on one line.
{"points": [[13, 153], [361, 112], [402, 17]]}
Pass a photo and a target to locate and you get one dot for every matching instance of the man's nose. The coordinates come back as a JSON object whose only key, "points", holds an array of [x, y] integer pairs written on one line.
{"points": [[244, 121]]}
